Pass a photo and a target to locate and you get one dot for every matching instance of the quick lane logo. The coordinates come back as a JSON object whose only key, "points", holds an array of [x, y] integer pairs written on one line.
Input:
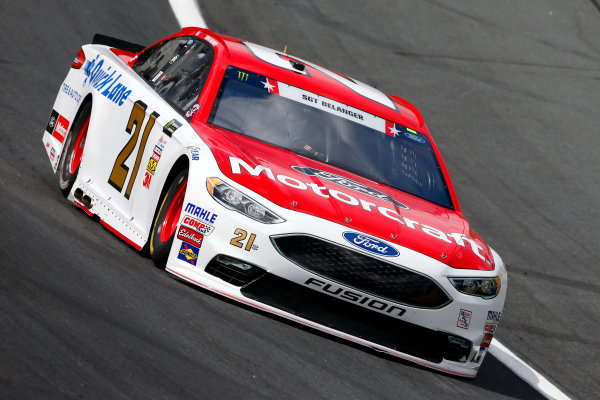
{"points": [[105, 81], [348, 183], [188, 253], [355, 297], [460, 239], [370, 244]]}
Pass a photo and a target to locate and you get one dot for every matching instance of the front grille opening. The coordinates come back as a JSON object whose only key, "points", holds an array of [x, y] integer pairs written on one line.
{"points": [[362, 272], [232, 270]]}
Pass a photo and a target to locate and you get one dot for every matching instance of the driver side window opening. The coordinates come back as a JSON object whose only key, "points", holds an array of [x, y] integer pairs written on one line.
{"points": [[177, 69]]}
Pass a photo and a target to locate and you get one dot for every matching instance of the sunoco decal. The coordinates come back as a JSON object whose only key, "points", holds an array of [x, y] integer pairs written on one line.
{"points": [[370, 244]]}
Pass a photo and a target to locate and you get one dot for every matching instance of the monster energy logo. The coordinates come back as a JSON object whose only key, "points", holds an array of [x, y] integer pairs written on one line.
{"points": [[242, 76], [348, 183]]}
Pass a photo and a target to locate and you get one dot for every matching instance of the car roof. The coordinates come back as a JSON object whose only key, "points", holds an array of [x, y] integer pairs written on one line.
{"points": [[316, 79]]}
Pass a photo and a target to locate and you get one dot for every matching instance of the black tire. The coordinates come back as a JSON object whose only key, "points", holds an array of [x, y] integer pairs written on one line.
{"points": [[160, 246], [66, 177]]}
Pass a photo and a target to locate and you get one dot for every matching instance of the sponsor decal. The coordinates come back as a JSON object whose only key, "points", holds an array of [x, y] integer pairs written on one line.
{"points": [[211, 40], [72, 93], [460, 239], [464, 319], [105, 80], [240, 237], [200, 212], [151, 165], [195, 152], [192, 110], [355, 297], [147, 180], [202, 227], [347, 183], [370, 244], [61, 129], [494, 316], [52, 153], [188, 253], [171, 127], [161, 142], [490, 328], [487, 339], [477, 357], [414, 137], [52, 121], [190, 236]]}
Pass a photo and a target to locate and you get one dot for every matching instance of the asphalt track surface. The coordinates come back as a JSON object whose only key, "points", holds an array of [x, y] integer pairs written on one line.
{"points": [[510, 91]]}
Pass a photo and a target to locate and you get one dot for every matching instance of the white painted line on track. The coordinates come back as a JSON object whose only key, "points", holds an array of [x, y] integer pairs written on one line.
{"points": [[187, 13], [525, 372]]}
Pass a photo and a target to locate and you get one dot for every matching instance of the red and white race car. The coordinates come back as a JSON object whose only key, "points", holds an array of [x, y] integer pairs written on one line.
{"points": [[281, 184]]}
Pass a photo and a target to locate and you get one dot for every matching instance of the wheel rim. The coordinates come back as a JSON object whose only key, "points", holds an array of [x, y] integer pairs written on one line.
{"points": [[78, 147], [173, 213]]}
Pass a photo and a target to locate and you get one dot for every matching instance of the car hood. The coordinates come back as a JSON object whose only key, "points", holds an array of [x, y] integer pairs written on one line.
{"points": [[364, 206]]}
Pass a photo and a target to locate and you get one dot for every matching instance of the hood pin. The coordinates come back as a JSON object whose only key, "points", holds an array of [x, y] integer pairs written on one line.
{"points": [[393, 236], [294, 204], [348, 220], [443, 255]]}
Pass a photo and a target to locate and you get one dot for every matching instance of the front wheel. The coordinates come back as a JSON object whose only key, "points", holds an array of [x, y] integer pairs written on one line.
{"points": [[163, 230], [72, 152]]}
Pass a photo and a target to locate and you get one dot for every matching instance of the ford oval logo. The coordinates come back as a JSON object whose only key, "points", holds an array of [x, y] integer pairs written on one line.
{"points": [[370, 244]]}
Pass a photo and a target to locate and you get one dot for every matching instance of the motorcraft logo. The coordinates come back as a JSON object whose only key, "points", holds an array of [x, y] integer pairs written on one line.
{"points": [[348, 183], [238, 165], [105, 81], [370, 244]]}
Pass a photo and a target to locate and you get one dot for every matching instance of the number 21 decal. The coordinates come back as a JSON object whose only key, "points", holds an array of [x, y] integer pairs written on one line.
{"points": [[120, 171], [240, 236]]}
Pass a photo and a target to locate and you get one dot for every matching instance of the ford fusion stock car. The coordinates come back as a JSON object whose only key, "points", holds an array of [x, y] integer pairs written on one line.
{"points": [[280, 184]]}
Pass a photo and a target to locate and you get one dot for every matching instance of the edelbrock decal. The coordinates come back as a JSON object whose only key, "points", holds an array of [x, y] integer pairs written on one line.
{"points": [[370, 244], [348, 183]]}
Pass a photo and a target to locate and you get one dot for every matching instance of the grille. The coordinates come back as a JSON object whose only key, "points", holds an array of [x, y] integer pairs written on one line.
{"points": [[361, 272]]}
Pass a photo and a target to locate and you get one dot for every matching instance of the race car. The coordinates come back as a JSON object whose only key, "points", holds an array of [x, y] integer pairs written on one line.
{"points": [[281, 184]]}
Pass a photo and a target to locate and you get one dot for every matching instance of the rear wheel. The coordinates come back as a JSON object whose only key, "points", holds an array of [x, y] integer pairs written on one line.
{"points": [[72, 152], [163, 230]]}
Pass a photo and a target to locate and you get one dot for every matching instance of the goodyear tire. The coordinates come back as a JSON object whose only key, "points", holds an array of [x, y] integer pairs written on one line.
{"points": [[72, 152], [167, 217]]}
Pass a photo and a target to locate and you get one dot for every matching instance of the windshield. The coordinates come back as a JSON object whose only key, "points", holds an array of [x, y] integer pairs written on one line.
{"points": [[329, 131]]}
